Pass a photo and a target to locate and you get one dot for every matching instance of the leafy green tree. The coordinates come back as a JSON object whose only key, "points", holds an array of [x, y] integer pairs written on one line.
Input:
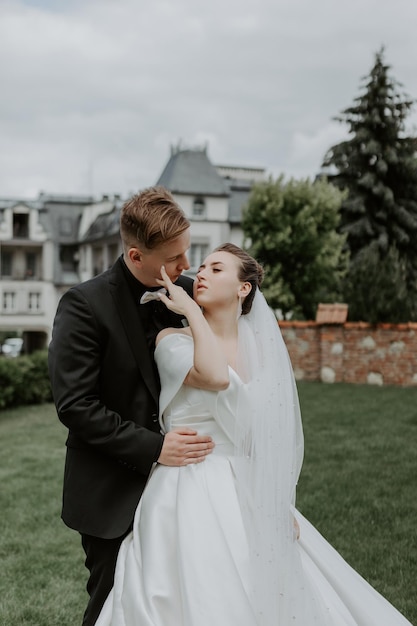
{"points": [[378, 167], [290, 227]]}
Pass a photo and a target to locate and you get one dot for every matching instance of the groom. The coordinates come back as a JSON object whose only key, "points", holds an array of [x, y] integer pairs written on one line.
{"points": [[105, 384]]}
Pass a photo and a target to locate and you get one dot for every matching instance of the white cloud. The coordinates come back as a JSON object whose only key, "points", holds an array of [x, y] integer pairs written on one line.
{"points": [[96, 91]]}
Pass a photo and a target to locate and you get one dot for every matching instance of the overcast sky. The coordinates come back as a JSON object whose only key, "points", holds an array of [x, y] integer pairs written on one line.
{"points": [[94, 92]]}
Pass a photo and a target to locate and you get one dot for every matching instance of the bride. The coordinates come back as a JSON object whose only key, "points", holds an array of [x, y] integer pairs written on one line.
{"points": [[220, 542]]}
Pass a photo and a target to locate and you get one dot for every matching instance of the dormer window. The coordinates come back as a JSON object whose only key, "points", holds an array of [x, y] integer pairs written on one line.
{"points": [[199, 207], [21, 225]]}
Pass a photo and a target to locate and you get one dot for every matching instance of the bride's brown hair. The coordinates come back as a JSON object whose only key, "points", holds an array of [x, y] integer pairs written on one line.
{"points": [[250, 271]]}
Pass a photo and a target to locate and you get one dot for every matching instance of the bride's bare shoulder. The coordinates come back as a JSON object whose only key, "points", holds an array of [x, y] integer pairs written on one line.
{"points": [[172, 331]]}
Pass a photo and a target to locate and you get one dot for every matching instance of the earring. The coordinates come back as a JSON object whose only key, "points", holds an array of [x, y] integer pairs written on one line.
{"points": [[239, 307]]}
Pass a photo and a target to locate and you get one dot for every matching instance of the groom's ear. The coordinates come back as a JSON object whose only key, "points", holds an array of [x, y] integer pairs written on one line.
{"points": [[135, 257]]}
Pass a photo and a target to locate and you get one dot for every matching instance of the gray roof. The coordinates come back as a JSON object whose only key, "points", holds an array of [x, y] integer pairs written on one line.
{"points": [[105, 225], [58, 198], [10, 203], [190, 172], [59, 215]]}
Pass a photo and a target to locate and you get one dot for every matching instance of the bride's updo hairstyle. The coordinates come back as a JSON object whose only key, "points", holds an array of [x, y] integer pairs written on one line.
{"points": [[250, 272]]}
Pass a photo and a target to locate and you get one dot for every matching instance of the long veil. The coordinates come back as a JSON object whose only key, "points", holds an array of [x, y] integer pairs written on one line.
{"points": [[269, 449]]}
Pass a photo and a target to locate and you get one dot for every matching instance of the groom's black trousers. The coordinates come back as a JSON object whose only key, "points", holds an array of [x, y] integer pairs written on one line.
{"points": [[101, 557]]}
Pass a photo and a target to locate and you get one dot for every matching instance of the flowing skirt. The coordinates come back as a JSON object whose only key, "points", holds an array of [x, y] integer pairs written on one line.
{"points": [[186, 562]]}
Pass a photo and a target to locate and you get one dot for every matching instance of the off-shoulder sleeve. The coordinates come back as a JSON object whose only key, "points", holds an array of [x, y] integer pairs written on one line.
{"points": [[174, 357]]}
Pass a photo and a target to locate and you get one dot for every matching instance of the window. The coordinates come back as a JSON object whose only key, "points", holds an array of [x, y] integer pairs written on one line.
{"points": [[9, 301], [30, 265], [69, 256], [198, 253], [34, 301], [6, 264], [199, 207], [21, 225]]}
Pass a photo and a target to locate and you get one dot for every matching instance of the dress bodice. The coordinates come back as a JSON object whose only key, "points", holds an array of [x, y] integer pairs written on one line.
{"points": [[208, 412]]}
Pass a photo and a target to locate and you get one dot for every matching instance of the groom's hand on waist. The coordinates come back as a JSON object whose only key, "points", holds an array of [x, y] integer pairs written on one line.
{"points": [[185, 446]]}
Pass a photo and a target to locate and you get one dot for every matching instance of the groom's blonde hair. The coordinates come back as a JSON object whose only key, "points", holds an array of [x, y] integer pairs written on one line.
{"points": [[151, 218]]}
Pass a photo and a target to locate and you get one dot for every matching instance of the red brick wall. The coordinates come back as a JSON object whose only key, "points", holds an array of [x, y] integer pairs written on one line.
{"points": [[353, 352]]}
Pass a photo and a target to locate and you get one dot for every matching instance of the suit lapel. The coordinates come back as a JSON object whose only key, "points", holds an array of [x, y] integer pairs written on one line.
{"points": [[133, 328]]}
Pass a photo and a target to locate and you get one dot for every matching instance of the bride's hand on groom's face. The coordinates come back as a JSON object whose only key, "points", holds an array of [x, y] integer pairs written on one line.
{"points": [[178, 300]]}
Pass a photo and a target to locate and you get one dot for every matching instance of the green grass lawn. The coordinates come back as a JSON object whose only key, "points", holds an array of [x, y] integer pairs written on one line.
{"points": [[358, 486], [359, 481], [42, 576]]}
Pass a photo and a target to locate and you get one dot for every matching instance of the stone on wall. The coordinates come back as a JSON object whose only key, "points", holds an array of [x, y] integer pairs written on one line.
{"points": [[368, 343], [375, 378], [327, 375]]}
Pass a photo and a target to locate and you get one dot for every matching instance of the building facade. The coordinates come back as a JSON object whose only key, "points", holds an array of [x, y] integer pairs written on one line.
{"points": [[49, 244], [38, 261]]}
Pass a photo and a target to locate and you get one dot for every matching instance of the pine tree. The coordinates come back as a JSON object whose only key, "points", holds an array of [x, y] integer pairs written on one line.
{"points": [[378, 167]]}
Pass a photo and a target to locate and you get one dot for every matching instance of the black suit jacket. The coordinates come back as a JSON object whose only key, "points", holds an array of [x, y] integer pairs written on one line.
{"points": [[106, 393]]}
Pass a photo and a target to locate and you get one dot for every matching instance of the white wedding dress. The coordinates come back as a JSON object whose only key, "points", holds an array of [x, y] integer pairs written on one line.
{"points": [[187, 563]]}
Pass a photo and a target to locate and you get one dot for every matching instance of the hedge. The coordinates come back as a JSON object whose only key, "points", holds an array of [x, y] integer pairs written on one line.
{"points": [[24, 380]]}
